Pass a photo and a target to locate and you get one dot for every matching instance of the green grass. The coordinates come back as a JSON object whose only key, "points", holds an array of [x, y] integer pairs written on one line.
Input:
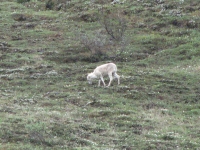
{"points": [[46, 103]]}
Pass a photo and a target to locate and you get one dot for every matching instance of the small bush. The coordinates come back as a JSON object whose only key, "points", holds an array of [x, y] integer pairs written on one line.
{"points": [[22, 1], [93, 42], [114, 24], [101, 1], [58, 4], [49, 5], [19, 17]]}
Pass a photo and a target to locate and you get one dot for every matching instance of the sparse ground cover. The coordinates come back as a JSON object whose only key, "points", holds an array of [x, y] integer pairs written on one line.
{"points": [[46, 103]]}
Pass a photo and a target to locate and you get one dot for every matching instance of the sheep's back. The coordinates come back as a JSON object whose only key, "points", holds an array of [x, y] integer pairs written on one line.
{"points": [[106, 68]]}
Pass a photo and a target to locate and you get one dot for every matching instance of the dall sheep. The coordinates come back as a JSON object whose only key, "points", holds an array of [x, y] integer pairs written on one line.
{"points": [[109, 69]]}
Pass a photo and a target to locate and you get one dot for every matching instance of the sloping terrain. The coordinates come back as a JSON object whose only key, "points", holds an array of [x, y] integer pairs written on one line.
{"points": [[48, 47]]}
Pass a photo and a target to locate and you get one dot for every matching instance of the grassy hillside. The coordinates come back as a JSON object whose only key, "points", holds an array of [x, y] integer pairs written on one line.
{"points": [[48, 47]]}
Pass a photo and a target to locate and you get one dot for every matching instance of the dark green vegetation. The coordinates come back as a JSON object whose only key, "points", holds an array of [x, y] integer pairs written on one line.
{"points": [[47, 48]]}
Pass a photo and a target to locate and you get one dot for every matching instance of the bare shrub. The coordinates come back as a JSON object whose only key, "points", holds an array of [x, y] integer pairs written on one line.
{"points": [[57, 4], [114, 23], [49, 4], [102, 2], [22, 1], [94, 42], [110, 40]]}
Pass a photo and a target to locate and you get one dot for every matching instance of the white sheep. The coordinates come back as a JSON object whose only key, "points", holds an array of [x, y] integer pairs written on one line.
{"points": [[109, 69]]}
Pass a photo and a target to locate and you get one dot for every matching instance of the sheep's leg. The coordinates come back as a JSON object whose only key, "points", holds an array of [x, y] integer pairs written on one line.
{"points": [[99, 82], [111, 78], [118, 77], [102, 81]]}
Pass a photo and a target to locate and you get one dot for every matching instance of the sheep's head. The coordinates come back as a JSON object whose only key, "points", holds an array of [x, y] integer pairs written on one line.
{"points": [[90, 77]]}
